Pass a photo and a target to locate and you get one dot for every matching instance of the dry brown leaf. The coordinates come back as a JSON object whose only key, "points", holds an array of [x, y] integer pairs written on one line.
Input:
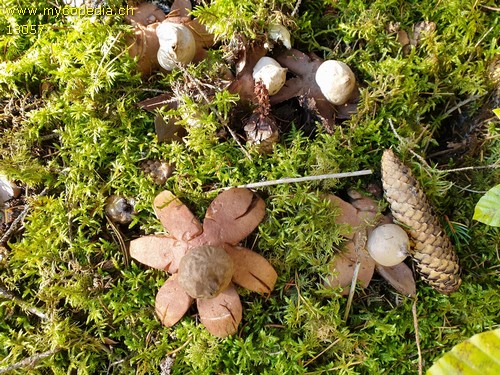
{"points": [[176, 217], [251, 270], [158, 251], [343, 268], [168, 131], [222, 314], [233, 215], [172, 302], [400, 277]]}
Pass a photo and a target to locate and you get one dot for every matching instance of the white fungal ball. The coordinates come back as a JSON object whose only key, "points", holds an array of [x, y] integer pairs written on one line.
{"points": [[177, 45], [336, 81], [388, 245], [270, 72]]}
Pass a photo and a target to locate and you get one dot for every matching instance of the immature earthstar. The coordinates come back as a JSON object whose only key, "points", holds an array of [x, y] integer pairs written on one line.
{"points": [[205, 260]]}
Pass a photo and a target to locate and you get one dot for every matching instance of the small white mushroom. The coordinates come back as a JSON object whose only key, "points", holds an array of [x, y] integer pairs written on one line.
{"points": [[279, 33], [177, 45], [336, 81], [270, 72], [388, 245]]}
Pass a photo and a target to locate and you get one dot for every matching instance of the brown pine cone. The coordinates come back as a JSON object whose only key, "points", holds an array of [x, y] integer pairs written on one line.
{"points": [[433, 253], [158, 170]]}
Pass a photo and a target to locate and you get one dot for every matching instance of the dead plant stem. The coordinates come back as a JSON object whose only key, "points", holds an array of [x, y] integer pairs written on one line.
{"points": [[29, 362], [290, 180], [492, 166], [217, 113], [4, 293], [17, 222], [417, 335], [322, 352], [351, 291]]}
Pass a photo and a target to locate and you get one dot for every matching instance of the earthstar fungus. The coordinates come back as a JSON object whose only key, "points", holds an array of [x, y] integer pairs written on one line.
{"points": [[205, 260]]}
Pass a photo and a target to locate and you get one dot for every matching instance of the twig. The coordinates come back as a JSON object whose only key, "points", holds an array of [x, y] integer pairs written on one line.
{"points": [[417, 335], [461, 104], [30, 361], [290, 180], [4, 293], [121, 241], [296, 8], [491, 166], [351, 291], [490, 8], [17, 222], [180, 347], [322, 352], [214, 110], [15, 225]]}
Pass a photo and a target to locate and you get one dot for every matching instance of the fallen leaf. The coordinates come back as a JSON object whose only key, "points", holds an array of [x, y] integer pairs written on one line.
{"points": [[168, 131], [476, 355]]}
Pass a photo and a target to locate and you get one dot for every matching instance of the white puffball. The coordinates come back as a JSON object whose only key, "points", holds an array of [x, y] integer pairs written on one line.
{"points": [[336, 81], [177, 45], [270, 72], [388, 245]]}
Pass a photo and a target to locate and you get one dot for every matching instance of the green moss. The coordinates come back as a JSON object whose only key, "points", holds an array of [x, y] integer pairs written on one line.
{"points": [[80, 135]]}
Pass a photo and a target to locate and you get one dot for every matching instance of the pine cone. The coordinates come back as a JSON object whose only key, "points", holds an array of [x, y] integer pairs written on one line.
{"points": [[433, 253], [158, 170]]}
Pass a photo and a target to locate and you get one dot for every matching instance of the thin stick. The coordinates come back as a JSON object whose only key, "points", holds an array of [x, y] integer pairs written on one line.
{"points": [[351, 291], [180, 347], [15, 225], [29, 362], [296, 8], [4, 293], [290, 180], [217, 113], [17, 222], [461, 104], [492, 166], [417, 336], [322, 352]]}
